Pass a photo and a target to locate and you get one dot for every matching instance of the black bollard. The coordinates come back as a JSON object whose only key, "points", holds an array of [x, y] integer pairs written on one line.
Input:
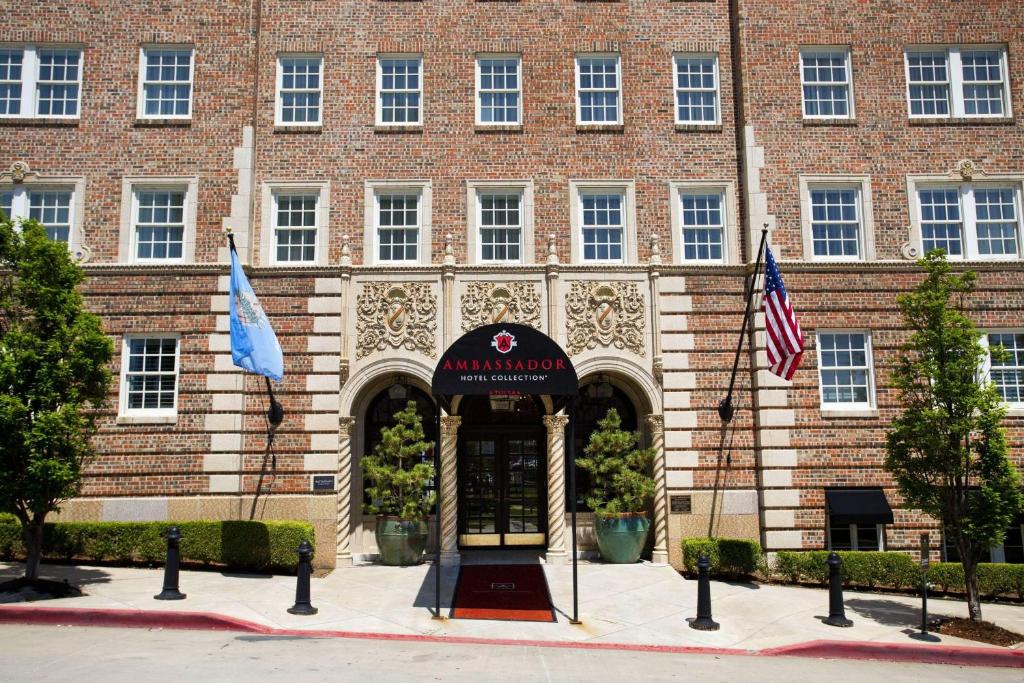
{"points": [[170, 591], [704, 622], [302, 604], [836, 609]]}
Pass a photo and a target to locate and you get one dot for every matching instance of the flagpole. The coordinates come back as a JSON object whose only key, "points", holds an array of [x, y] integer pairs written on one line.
{"points": [[725, 408]]}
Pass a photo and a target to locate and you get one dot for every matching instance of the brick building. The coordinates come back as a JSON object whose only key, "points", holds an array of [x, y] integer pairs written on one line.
{"points": [[399, 173]]}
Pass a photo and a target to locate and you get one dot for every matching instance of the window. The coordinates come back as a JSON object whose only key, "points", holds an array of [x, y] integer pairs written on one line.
{"points": [[603, 222], [295, 227], [398, 227], [844, 370], [159, 229], [499, 90], [598, 90], [149, 376], [703, 225], [165, 83], [856, 518], [835, 222], [1007, 373], [856, 537], [399, 90], [957, 82], [696, 89], [51, 206], [826, 83], [40, 81], [299, 90], [971, 221], [500, 218]]}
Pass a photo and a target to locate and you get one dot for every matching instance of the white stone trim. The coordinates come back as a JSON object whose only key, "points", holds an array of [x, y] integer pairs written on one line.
{"points": [[862, 183], [76, 184], [474, 188], [371, 188], [268, 190], [730, 240], [625, 187]]}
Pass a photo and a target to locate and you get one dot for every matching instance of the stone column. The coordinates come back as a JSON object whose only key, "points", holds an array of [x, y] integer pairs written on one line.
{"points": [[555, 424], [345, 466], [660, 553], [449, 489]]}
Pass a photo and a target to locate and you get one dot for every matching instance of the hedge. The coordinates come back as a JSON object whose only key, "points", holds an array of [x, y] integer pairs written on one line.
{"points": [[728, 556], [258, 546], [896, 570]]}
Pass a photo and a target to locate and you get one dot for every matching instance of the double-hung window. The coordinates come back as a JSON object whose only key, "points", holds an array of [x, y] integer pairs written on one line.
{"points": [[826, 83], [299, 90], [836, 222], [696, 89], [499, 90], [398, 224], [958, 82], [500, 221], [400, 90], [52, 206], [149, 376], [165, 83], [603, 223], [159, 223], [975, 221], [598, 90], [1006, 369], [295, 227], [844, 370], [40, 81], [702, 220]]}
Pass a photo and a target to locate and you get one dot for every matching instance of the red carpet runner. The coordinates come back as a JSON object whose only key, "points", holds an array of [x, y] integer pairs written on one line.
{"points": [[509, 592]]}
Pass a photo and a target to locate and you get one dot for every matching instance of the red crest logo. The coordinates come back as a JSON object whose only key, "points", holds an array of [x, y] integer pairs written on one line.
{"points": [[504, 341]]}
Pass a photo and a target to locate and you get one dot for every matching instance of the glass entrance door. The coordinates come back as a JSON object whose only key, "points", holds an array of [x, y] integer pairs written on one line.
{"points": [[502, 480]]}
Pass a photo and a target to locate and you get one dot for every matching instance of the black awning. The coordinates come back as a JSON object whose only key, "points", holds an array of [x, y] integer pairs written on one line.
{"points": [[857, 506]]}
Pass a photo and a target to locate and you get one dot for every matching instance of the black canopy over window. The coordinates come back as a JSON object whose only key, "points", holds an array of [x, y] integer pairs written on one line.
{"points": [[857, 506]]}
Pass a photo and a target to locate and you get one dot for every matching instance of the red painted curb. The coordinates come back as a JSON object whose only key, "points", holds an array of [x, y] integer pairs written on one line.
{"points": [[818, 649]]}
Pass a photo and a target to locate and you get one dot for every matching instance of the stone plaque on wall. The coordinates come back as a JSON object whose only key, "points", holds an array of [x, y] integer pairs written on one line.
{"points": [[683, 504]]}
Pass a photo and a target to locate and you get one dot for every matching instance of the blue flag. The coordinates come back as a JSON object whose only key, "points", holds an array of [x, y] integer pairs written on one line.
{"points": [[254, 346]]}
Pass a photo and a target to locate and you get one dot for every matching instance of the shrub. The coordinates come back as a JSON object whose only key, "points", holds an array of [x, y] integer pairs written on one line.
{"points": [[239, 545], [993, 579], [728, 556]]}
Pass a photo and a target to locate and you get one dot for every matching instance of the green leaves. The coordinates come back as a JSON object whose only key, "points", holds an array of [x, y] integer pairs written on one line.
{"points": [[619, 472], [398, 477]]}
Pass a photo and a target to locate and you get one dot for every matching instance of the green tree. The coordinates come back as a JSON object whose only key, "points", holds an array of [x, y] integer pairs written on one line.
{"points": [[53, 373], [619, 471], [947, 451], [396, 471]]}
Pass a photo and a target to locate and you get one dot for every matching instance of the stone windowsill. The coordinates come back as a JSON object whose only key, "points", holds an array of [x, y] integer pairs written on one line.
{"points": [[39, 121], [962, 121], [698, 128], [146, 419], [162, 123], [498, 128], [310, 129], [389, 130], [852, 413], [811, 123], [600, 128]]}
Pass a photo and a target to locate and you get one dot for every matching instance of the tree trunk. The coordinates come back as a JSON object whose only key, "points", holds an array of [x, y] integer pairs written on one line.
{"points": [[32, 534], [971, 586]]}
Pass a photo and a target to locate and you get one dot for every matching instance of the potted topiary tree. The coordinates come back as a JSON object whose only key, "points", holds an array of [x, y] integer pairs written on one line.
{"points": [[622, 488], [398, 481]]}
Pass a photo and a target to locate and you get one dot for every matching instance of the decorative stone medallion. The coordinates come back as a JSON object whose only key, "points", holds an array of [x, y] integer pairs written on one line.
{"points": [[486, 303], [396, 316], [605, 314]]}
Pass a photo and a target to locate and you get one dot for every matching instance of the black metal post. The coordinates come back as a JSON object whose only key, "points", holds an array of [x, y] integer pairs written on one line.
{"points": [[437, 517], [836, 609], [704, 622], [302, 604], [170, 591], [725, 409], [925, 559], [572, 508]]}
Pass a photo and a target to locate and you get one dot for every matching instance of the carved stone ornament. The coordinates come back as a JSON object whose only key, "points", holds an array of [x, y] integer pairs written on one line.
{"points": [[397, 316], [605, 314], [966, 168], [486, 303], [910, 251], [18, 172]]}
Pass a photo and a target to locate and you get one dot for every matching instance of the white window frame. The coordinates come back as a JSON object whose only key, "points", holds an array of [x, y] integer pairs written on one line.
{"points": [[141, 88], [73, 184], [954, 70], [480, 91], [676, 89], [279, 89], [371, 243], [827, 49], [968, 211], [269, 190], [618, 82], [474, 190], [130, 186], [380, 92], [627, 188], [865, 209], [148, 415], [730, 248], [879, 529], [30, 63], [1014, 409], [860, 409]]}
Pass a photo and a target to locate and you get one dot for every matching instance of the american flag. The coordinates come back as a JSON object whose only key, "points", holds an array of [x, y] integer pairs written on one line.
{"points": [[785, 340]]}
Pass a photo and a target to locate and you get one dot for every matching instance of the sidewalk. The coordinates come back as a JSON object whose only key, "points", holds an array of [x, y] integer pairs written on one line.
{"points": [[639, 606]]}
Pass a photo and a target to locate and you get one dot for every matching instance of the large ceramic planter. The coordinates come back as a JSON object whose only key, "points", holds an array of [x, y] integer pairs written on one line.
{"points": [[401, 542], [621, 537]]}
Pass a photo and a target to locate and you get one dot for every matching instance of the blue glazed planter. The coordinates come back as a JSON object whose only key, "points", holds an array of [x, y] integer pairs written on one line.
{"points": [[621, 537]]}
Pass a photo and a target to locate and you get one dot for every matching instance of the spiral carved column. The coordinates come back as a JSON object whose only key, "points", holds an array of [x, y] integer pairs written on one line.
{"points": [[449, 489], [660, 553], [555, 425], [344, 488]]}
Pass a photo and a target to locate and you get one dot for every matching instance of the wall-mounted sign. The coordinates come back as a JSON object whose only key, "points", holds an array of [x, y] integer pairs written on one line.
{"points": [[323, 482], [682, 504]]}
